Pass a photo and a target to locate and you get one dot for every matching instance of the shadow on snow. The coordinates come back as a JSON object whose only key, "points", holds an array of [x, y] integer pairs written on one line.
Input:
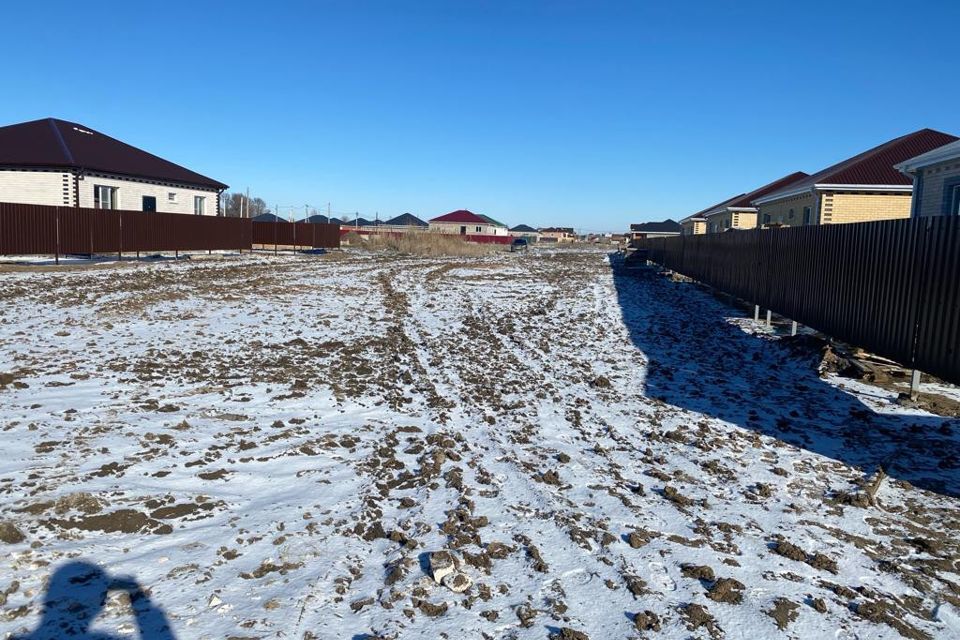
{"points": [[698, 361], [76, 595]]}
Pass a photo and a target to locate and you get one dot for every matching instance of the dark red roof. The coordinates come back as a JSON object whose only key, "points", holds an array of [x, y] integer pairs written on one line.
{"points": [[461, 215], [875, 166], [58, 143], [776, 185]]}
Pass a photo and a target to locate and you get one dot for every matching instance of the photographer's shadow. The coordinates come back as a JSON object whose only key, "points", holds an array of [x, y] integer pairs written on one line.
{"points": [[77, 594]]}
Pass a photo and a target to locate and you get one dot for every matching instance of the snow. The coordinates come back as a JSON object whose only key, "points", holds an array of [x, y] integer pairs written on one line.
{"points": [[263, 418]]}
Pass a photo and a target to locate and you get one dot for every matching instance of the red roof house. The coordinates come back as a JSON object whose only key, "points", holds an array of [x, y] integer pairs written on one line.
{"points": [[862, 188]]}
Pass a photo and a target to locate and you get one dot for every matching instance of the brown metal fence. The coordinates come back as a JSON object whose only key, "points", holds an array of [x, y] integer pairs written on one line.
{"points": [[36, 229], [892, 287]]}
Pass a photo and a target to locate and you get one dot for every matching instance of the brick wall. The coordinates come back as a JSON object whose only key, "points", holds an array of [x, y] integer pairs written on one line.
{"points": [[130, 194], [53, 188], [787, 212], [931, 200], [840, 208]]}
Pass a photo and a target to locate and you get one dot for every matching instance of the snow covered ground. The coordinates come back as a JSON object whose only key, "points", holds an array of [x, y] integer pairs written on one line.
{"points": [[273, 447]]}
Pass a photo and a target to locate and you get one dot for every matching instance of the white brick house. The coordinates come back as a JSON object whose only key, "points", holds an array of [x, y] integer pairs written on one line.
{"points": [[54, 162]]}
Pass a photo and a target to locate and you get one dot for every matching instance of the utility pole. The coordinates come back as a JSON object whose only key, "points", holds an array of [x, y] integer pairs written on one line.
{"points": [[248, 202]]}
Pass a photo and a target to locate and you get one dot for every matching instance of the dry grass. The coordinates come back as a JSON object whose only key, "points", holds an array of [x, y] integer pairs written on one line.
{"points": [[427, 244]]}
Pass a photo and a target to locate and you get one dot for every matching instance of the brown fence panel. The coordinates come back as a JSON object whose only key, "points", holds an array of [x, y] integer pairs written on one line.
{"points": [[74, 230], [892, 287], [105, 232], [27, 229], [326, 236], [938, 326], [264, 232]]}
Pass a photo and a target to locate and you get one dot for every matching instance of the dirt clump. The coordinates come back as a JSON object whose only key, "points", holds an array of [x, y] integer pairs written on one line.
{"points": [[726, 590], [10, 534], [784, 612], [698, 572], [646, 621], [698, 616]]}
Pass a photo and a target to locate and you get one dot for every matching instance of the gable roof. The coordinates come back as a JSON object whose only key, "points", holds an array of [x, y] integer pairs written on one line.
{"points": [[946, 153], [406, 220], [667, 226], [745, 200], [58, 143], [267, 217], [358, 222], [461, 215], [556, 230], [873, 168], [490, 220], [524, 228], [318, 219]]}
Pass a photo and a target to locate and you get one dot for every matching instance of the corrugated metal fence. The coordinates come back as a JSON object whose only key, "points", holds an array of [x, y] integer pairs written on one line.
{"points": [[892, 287], [35, 229]]}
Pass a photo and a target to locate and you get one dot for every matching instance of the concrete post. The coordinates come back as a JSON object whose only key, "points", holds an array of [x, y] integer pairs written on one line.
{"points": [[915, 384], [793, 328], [768, 318], [756, 313]]}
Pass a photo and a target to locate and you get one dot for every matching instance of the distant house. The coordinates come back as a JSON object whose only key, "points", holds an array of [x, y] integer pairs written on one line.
{"points": [[936, 181], [666, 229], [859, 189], [405, 222], [356, 223], [465, 222], [525, 231], [320, 219], [60, 163], [694, 224], [557, 234], [268, 217], [739, 212]]}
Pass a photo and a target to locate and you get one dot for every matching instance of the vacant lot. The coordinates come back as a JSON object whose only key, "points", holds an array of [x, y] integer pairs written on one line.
{"points": [[274, 446]]}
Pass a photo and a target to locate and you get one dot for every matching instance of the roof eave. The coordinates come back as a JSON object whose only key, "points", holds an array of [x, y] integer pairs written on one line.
{"points": [[863, 187], [911, 166]]}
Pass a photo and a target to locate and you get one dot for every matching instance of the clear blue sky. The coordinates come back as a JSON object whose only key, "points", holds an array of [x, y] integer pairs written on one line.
{"points": [[585, 114]]}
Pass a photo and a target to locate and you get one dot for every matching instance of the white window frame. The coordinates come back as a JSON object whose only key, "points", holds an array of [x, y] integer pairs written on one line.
{"points": [[112, 197], [199, 204], [172, 197]]}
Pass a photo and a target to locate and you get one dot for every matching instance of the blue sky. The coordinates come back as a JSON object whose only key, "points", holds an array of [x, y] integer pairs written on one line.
{"points": [[584, 114]]}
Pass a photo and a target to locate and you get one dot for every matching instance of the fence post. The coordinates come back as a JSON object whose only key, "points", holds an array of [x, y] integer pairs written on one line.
{"points": [[119, 237], [768, 318], [275, 223], [793, 328], [914, 384], [756, 313], [56, 254]]}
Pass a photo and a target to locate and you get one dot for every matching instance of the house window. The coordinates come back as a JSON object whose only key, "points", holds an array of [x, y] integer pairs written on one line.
{"points": [[766, 218], [479, 229], [198, 205], [171, 196], [150, 203], [790, 214], [104, 197], [806, 215], [952, 198]]}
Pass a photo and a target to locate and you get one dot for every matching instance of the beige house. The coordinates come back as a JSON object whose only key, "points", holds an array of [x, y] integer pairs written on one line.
{"points": [[557, 234], [863, 188], [738, 212], [665, 229], [464, 222], [936, 181], [58, 163], [693, 225]]}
